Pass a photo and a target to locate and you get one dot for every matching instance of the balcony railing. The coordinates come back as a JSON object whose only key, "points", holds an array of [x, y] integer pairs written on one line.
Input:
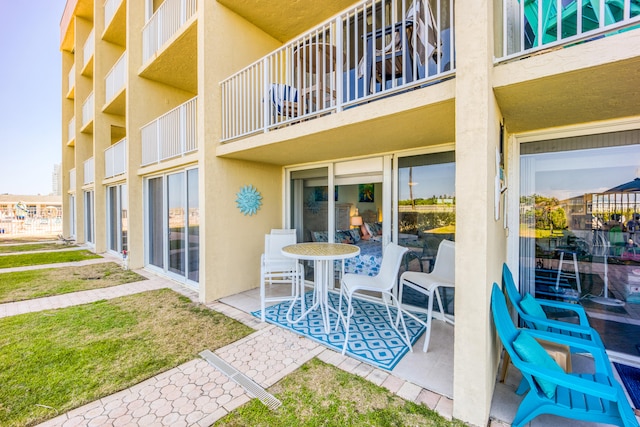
{"points": [[110, 8], [72, 179], [72, 129], [115, 159], [71, 79], [374, 49], [532, 25], [87, 110], [170, 135], [116, 78], [89, 171], [89, 48], [164, 23]]}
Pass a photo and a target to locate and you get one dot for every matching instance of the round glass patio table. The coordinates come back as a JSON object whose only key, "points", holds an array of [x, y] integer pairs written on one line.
{"points": [[322, 254]]}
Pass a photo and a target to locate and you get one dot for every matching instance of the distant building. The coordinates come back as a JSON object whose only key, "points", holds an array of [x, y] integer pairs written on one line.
{"points": [[56, 180]]}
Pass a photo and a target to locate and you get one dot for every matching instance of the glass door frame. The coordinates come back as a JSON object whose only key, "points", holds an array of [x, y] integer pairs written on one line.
{"points": [[118, 220]]}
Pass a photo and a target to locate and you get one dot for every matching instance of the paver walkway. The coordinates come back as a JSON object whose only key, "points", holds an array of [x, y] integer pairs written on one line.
{"points": [[197, 394]]}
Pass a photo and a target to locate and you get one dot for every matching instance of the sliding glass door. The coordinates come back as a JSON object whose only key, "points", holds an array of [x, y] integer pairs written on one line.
{"points": [[89, 235], [173, 225], [117, 218]]}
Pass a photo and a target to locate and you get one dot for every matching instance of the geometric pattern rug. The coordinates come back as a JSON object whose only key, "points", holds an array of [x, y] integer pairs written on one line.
{"points": [[631, 379], [371, 339]]}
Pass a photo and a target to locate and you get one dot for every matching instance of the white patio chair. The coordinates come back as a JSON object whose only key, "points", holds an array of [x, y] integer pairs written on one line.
{"points": [[384, 282], [429, 284], [276, 269]]}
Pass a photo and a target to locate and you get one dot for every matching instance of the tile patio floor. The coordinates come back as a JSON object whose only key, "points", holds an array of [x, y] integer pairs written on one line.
{"points": [[195, 393]]}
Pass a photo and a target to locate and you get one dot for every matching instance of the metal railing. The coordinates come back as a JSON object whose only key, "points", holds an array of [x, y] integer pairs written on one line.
{"points": [[116, 78], [115, 159], [164, 23], [87, 110], [72, 179], [373, 49], [71, 79], [110, 8], [532, 25], [72, 129], [89, 171], [89, 48], [171, 135]]}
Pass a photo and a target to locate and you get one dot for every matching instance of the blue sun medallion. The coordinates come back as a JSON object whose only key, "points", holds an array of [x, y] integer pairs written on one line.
{"points": [[249, 200]]}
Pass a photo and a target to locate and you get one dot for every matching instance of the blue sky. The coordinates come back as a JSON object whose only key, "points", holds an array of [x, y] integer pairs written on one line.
{"points": [[30, 95]]}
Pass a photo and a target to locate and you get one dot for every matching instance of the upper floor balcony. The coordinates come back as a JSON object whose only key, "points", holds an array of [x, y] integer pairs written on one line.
{"points": [[72, 180], [171, 135], [71, 131], [87, 54], [115, 22], [115, 159], [373, 50], [89, 171], [529, 26], [88, 113], [71, 83], [115, 84]]}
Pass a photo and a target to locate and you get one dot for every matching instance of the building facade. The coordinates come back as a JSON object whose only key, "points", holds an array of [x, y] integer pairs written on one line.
{"points": [[433, 119]]}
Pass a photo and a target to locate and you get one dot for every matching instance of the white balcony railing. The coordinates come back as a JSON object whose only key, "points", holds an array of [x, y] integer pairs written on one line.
{"points": [[110, 8], [89, 48], [71, 79], [164, 23], [89, 171], [116, 78], [170, 135], [115, 159], [72, 179], [87, 110], [374, 49], [532, 25], [72, 129]]}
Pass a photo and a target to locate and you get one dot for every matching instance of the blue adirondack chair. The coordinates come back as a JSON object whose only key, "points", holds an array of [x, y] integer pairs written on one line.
{"points": [[595, 397], [541, 322]]}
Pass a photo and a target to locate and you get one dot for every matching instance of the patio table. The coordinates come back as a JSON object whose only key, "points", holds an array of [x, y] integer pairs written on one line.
{"points": [[323, 255]]}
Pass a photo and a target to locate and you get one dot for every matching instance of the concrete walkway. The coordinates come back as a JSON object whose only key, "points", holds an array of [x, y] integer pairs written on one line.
{"points": [[197, 394]]}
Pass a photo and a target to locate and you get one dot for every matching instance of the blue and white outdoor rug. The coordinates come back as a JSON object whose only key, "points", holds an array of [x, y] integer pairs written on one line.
{"points": [[372, 338]]}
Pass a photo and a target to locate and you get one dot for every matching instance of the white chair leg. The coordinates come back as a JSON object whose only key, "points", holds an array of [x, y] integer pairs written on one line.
{"points": [[262, 295], [347, 323], [427, 334], [399, 319]]}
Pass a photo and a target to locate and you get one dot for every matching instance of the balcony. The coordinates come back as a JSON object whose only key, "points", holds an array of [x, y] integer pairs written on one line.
{"points": [[164, 24], [115, 159], [373, 50], [87, 55], [114, 22], [87, 114], [115, 84], [71, 83], [170, 135], [71, 128], [89, 171], [529, 26], [72, 180]]}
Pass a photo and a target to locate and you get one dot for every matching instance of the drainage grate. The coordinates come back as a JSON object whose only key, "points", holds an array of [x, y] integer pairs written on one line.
{"points": [[251, 387]]}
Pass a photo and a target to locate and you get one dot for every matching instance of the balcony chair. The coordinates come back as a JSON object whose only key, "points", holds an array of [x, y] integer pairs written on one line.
{"points": [[285, 101], [429, 284], [595, 397], [398, 58], [384, 282], [276, 269]]}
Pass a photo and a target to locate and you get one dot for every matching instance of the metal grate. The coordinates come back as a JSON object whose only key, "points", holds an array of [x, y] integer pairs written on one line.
{"points": [[251, 387]]}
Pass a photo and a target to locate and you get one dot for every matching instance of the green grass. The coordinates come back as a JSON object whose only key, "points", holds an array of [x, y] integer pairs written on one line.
{"points": [[24, 285], [8, 261], [319, 394], [56, 360], [4, 249]]}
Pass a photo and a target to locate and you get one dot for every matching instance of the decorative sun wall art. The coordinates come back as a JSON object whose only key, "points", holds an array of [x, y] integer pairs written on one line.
{"points": [[249, 200]]}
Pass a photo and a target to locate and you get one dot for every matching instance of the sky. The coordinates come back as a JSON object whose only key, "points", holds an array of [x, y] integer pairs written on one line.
{"points": [[30, 95]]}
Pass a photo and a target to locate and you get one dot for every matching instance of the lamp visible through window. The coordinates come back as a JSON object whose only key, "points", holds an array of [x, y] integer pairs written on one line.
{"points": [[356, 221]]}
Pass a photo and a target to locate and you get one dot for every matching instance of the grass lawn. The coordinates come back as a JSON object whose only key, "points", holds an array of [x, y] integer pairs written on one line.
{"points": [[4, 249], [7, 261], [319, 394], [56, 360], [24, 285]]}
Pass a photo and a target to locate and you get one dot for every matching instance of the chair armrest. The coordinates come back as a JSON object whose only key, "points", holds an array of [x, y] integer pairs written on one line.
{"points": [[600, 358], [557, 324], [579, 310], [572, 381]]}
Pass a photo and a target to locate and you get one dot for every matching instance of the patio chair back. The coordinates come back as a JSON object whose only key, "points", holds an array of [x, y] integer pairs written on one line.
{"points": [[445, 266], [390, 265]]}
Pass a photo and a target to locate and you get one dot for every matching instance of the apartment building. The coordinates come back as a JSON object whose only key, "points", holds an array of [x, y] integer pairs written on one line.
{"points": [[431, 118]]}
